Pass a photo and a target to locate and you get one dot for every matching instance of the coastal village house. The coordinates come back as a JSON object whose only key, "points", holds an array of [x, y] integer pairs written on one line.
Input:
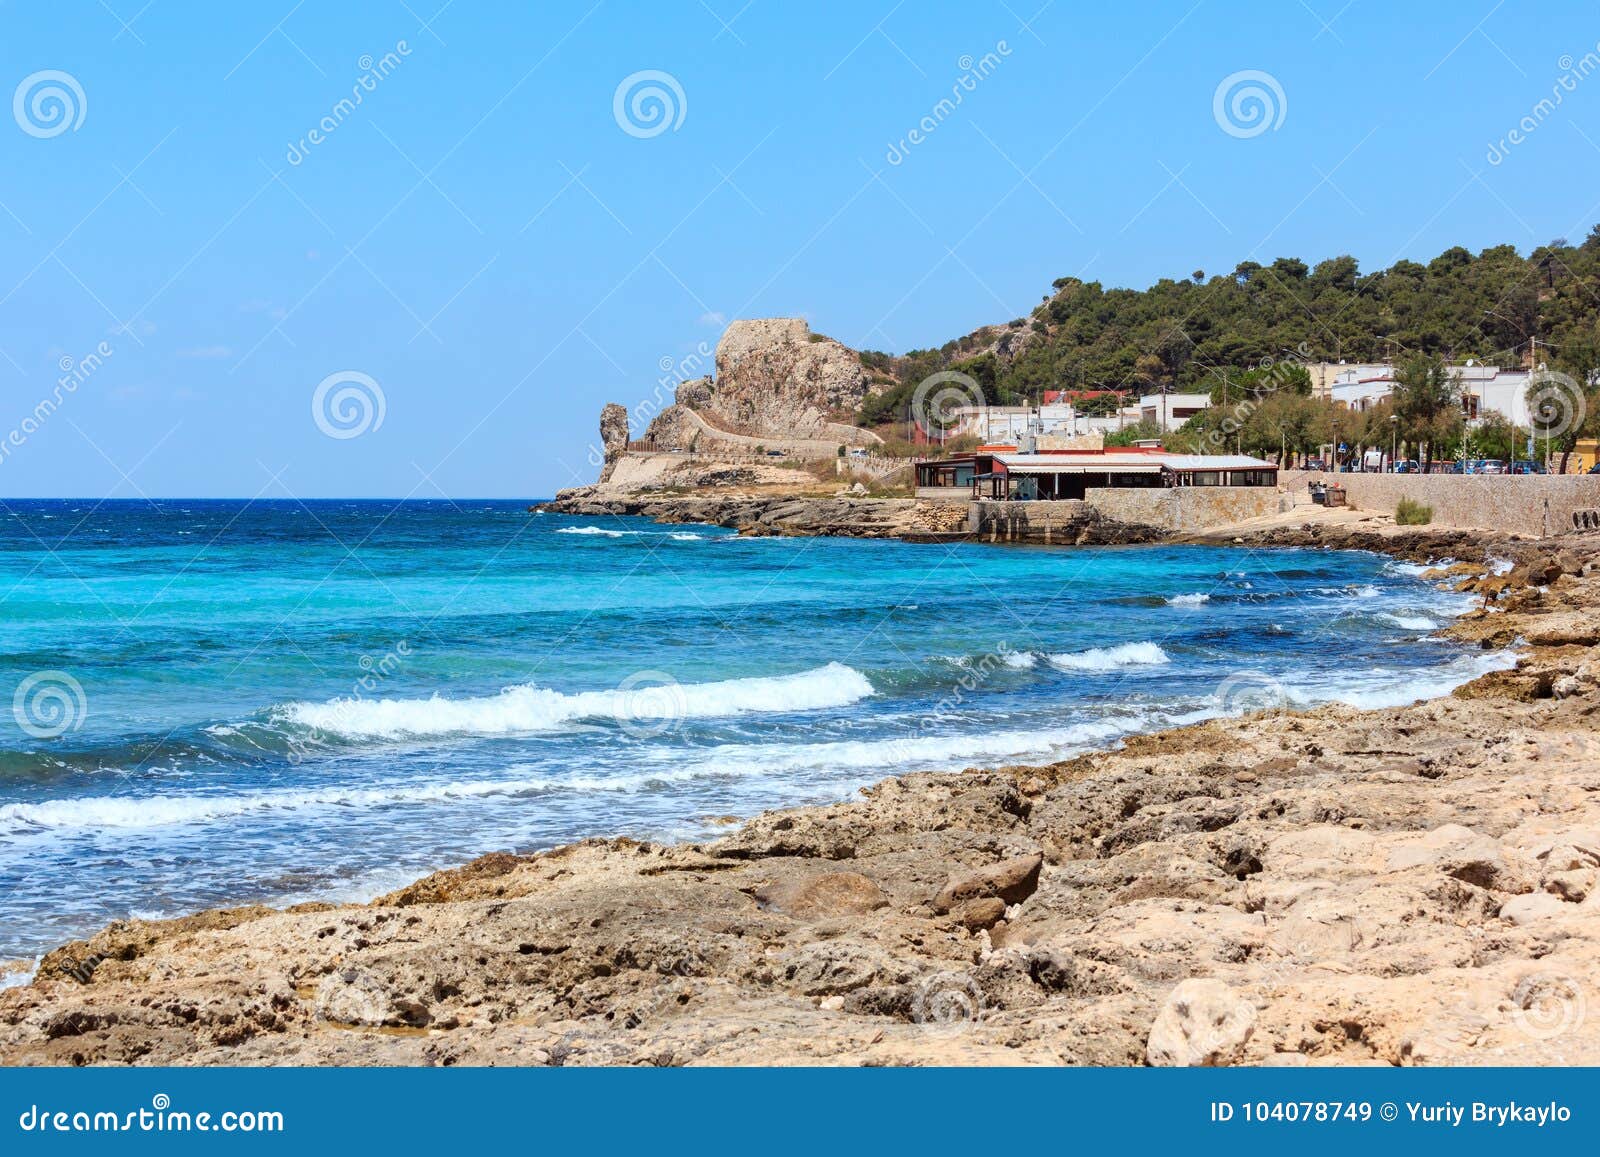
{"points": [[1057, 414], [1026, 473]]}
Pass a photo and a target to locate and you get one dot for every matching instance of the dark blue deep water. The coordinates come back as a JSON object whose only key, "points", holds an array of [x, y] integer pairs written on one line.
{"points": [[212, 703]]}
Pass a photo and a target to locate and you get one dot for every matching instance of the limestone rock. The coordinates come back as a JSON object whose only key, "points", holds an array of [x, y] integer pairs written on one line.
{"points": [[1203, 1022], [775, 377], [1531, 907], [1011, 881], [821, 896]]}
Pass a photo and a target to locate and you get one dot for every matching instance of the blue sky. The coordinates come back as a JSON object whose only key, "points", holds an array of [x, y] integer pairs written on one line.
{"points": [[485, 243]]}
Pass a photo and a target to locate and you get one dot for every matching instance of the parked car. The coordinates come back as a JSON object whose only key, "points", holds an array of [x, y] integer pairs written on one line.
{"points": [[1528, 466], [1406, 466], [1595, 469], [1316, 464]]}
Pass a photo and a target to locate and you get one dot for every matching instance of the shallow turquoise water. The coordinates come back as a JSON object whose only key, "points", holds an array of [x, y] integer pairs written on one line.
{"points": [[279, 701]]}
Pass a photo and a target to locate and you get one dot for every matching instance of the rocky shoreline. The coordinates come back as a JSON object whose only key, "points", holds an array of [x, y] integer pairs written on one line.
{"points": [[840, 516], [843, 516], [1414, 885]]}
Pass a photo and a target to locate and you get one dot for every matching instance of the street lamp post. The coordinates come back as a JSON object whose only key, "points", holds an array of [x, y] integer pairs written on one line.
{"points": [[1394, 441]]}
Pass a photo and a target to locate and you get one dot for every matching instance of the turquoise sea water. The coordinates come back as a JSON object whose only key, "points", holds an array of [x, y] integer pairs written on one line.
{"points": [[220, 702]]}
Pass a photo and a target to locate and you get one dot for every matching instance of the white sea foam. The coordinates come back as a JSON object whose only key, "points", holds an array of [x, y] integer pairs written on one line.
{"points": [[729, 760], [1021, 660], [1193, 600], [911, 751], [1110, 658], [685, 537], [1410, 622], [11, 977], [1382, 687], [101, 812], [600, 530], [833, 760], [526, 708], [1409, 569]]}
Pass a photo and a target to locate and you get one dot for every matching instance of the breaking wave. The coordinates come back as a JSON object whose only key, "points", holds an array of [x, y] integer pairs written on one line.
{"points": [[526, 708], [1411, 622], [1193, 600], [725, 761], [1110, 658]]}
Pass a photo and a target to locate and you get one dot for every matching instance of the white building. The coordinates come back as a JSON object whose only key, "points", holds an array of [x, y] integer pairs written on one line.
{"points": [[1485, 389], [1171, 411]]}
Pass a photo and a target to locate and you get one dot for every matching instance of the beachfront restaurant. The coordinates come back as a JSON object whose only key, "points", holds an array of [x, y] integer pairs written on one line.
{"points": [[1062, 474]]}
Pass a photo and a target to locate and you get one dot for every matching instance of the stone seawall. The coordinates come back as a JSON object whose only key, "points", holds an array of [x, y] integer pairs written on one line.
{"points": [[1187, 508], [1515, 504], [1068, 522], [1123, 515]]}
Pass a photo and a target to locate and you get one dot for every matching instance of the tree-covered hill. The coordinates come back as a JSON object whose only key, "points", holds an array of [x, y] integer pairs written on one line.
{"points": [[1195, 333]]}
